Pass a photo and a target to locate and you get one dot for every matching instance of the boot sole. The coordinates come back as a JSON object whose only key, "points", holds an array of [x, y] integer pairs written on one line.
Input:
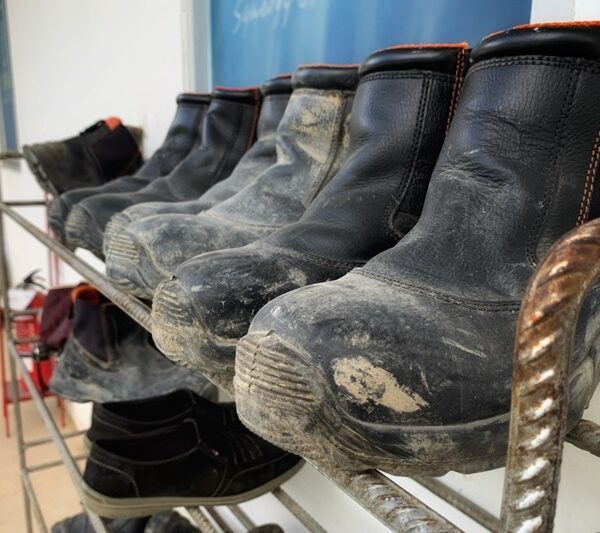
{"points": [[39, 172], [178, 334], [75, 231], [282, 397], [133, 507]]}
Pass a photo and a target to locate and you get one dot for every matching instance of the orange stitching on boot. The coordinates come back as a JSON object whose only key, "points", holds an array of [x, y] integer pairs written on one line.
{"points": [[572, 24], [589, 183], [458, 78], [255, 114], [463, 45]]}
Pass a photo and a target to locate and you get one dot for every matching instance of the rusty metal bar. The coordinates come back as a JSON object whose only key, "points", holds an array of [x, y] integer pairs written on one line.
{"points": [[460, 502], [26, 203], [46, 440], [391, 504], [388, 502], [64, 452], [218, 519], [244, 519], [301, 514], [541, 378], [35, 504], [52, 464], [10, 154], [201, 520], [132, 306], [586, 436]]}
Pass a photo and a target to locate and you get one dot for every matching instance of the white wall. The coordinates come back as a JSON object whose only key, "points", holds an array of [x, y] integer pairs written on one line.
{"points": [[75, 61]]}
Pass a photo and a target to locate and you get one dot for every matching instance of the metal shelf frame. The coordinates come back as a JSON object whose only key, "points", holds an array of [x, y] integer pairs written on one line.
{"points": [[532, 474]]}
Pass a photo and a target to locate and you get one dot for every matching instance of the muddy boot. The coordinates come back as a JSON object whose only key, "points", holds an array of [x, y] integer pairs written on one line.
{"points": [[183, 134], [405, 364], [228, 131], [275, 94], [311, 143], [109, 357], [102, 152], [399, 119]]}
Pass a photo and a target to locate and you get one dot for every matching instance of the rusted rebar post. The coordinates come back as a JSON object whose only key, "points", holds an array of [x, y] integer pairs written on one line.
{"points": [[542, 356]]}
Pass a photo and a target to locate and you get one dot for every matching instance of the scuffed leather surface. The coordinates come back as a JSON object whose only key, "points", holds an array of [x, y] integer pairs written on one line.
{"points": [[183, 133], [228, 130], [257, 159], [311, 143], [397, 129], [436, 314]]}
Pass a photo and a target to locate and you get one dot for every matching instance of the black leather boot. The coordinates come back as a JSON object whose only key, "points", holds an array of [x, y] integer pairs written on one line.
{"points": [[311, 142], [100, 153], [228, 131], [399, 119], [183, 134], [109, 357], [275, 96], [405, 364]]}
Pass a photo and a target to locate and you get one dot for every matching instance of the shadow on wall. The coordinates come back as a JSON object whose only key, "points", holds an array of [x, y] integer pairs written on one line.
{"points": [[253, 40]]}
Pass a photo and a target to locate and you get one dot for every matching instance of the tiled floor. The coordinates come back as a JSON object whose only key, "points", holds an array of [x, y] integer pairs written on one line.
{"points": [[56, 494]]}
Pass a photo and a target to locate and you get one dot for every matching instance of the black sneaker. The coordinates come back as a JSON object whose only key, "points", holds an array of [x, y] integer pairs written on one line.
{"points": [[121, 419], [100, 153], [80, 523], [181, 465]]}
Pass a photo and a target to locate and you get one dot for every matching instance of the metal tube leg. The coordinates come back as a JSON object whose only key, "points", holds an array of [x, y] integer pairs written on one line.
{"points": [[13, 375]]}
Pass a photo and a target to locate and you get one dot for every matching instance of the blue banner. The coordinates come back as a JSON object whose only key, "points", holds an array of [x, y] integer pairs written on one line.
{"points": [[255, 39]]}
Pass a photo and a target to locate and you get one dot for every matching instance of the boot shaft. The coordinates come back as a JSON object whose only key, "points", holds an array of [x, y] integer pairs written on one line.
{"points": [[276, 94], [99, 327], [517, 168], [275, 97], [228, 130], [399, 119], [183, 134], [311, 141]]}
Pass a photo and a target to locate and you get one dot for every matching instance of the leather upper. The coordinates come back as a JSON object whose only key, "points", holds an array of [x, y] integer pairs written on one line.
{"points": [[228, 131], [341, 77], [184, 132], [551, 39], [281, 84], [437, 58]]}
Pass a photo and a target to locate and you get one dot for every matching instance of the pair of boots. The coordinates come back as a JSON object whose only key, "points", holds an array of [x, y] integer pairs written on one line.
{"points": [[222, 127], [404, 362]]}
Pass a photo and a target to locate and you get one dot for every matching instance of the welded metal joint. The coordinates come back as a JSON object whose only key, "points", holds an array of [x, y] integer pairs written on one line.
{"points": [[542, 356]]}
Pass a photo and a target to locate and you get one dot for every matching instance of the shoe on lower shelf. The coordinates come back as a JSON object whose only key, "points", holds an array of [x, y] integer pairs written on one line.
{"points": [[121, 419], [181, 465]]}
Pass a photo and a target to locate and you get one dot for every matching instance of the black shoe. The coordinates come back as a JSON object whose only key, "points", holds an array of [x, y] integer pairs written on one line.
{"points": [[181, 465], [228, 131], [405, 364], [399, 119], [80, 523], [100, 153], [169, 522], [183, 134], [263, 153], [109, 357], [120, 419]]}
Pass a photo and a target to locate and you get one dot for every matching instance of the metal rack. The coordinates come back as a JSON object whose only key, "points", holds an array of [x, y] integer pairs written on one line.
{"points": [[536, 440]]}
